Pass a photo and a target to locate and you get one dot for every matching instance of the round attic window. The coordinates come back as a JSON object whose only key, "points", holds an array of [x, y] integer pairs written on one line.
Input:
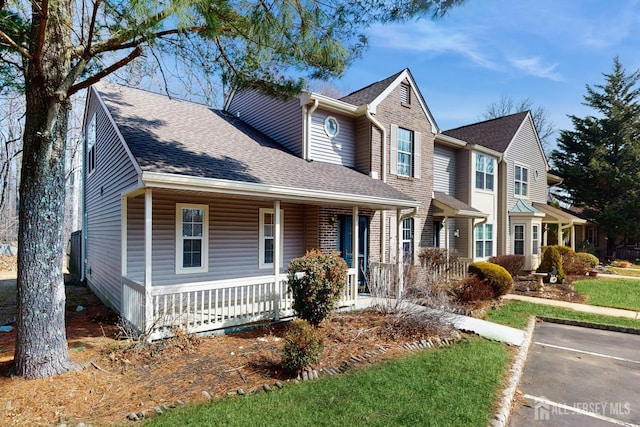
{"points": [[331, 126]]}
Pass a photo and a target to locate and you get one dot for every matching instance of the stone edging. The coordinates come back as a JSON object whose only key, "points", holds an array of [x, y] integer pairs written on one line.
{"points": [[501, 418], [591, 325]]}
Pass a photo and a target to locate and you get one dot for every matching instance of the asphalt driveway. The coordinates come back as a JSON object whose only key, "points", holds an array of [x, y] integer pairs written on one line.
{"points": [[580, 377]]}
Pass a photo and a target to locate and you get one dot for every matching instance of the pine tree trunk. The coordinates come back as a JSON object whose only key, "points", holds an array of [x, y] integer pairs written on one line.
{"points": [[41, 345]]}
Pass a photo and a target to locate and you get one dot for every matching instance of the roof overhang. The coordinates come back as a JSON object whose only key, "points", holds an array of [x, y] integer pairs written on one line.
{"points": [[558, 215], [302, 195], [332, 104], [553, 180], [449, 141], [449, 207], [525, 209]]}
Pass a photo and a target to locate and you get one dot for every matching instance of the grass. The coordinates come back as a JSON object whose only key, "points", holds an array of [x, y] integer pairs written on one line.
{"points": [[516, 314], [618, 293], [454, 386], [630, 271]]}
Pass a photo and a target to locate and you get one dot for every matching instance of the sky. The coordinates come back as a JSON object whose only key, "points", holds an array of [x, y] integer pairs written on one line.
{"points": [[545, 50]]}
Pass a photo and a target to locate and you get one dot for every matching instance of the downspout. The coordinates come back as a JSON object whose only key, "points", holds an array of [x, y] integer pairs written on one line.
{"points": [[383, 130], [306, 144], [383, 216]]}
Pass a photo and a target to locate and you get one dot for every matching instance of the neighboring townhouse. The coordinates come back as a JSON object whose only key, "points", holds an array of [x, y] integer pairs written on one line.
{"points": [[503, 172]]}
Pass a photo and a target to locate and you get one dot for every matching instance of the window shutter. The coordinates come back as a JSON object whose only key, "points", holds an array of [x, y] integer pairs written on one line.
{"points": [[417, 151], [393, 148]]}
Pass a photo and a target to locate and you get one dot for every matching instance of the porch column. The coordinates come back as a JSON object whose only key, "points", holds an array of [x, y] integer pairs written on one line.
{"points": [[355, 257], [573, 237], [559, 233], [148, 267], [446, 235], [545, 234], [277, 255], [399, 252]]}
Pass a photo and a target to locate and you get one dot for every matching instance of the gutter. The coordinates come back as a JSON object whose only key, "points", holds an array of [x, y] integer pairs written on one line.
{"points": [[306, 145]]}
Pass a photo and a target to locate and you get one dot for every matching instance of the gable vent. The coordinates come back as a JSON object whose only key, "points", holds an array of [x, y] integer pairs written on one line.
{"points": [[405, 94]]}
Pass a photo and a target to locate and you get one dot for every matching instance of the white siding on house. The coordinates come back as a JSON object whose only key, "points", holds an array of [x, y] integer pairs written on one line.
{"points": [[444, 170], [338, 150], [282, 121], [114, 173], [233, 237]]}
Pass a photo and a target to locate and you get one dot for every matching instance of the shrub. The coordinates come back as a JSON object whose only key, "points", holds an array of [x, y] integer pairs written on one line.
{"points": [[551, 263], [316, 281], [514, 264], [303, 346], [475, 289], [432, 258], [579, 264], [586, 246], [496, 276]]}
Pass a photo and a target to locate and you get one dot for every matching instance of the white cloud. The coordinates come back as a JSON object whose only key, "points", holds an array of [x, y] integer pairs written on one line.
{"points": [[425, 37], [535, 67]]}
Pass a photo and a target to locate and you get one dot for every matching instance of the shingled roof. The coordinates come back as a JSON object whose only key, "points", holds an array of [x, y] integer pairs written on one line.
{"points": [[368, 94], [187, 139], [495, 134]]}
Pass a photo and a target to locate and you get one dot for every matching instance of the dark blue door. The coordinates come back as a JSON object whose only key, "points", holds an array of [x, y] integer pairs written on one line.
{"points": [[345, 245]]}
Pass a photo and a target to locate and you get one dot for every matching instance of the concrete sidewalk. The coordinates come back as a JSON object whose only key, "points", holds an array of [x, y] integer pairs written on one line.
{"points": [[606, 311], [485, 329]]}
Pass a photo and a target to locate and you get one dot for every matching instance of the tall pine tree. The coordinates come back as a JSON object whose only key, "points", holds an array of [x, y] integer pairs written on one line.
{"points": [[599, 159], [59, 47]]}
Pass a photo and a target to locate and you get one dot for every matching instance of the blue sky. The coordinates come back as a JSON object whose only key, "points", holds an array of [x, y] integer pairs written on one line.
{"points": [[546, 50]]}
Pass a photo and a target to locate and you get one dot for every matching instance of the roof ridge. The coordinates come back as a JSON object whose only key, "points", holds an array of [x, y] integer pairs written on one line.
{"points": [[489, 120]]}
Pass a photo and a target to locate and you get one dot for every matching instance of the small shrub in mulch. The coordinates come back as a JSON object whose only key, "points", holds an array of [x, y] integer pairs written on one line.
{"points": [[496, 276], [303, 345], [475, 289], [514, 264]]}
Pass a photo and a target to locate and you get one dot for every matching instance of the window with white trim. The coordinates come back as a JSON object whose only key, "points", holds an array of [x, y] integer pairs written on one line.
{"points": [[518, 239], [192, 238], [484, 172], [267, 237], [535, 239], [407, 241], [91, 145], [405, 152], [521, 181], [484, 240]]}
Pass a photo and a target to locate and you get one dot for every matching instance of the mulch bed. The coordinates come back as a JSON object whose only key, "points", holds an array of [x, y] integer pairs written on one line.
{"points": [[557, 291], [122, 376]]}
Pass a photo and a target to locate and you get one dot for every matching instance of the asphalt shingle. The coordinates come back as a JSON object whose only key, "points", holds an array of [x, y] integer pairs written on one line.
{"points": [[179, 137], [495, 134]]}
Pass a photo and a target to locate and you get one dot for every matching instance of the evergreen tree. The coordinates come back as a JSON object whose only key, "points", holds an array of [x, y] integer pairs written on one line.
{"points": [[598, 160], [59, 47]]}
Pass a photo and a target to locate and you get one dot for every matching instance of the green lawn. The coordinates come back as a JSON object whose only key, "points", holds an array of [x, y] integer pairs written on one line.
{"points": [[630, 271], [516, 314], [454, 386], [618, 293]]}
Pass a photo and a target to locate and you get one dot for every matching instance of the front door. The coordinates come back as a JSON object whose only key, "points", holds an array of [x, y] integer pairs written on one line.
{"points": [[345, 245]]}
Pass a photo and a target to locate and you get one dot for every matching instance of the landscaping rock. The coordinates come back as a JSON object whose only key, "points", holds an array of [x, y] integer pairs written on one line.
{"points": [[240, 392], [132, 416], [266, 388], [206, 394], [279, 384], [158, 410]]}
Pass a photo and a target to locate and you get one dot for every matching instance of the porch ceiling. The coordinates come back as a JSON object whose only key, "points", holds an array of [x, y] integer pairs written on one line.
{"points": [[554, 214], [448, 206]]}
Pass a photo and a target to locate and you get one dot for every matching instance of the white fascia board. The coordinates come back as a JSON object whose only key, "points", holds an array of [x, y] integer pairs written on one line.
{"points": [[450, 141], [332, 104], [221, 186]]}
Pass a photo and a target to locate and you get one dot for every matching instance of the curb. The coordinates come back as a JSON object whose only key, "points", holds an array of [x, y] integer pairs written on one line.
{"points": [[601, 326], [501, 418]]}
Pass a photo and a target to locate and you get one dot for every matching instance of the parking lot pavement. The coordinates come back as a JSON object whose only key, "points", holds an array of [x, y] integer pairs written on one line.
{"points": [[580, 376]]}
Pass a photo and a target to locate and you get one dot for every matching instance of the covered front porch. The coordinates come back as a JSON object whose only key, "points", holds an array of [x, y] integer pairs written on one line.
{"points": [[239, 273], [564, 224]]}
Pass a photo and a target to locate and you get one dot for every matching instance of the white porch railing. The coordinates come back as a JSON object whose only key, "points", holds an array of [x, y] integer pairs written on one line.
{"points": [[208, 306]]}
